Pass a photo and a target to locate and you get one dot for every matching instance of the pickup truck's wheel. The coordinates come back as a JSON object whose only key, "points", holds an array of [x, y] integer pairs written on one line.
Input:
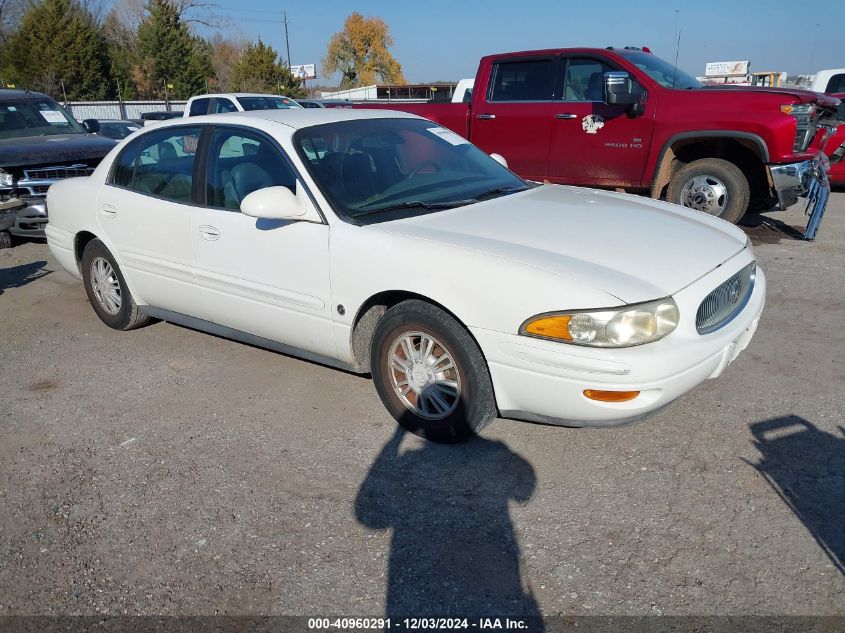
{"points": [[107, 290], [712, 185], [5, 240], [430, 373]]}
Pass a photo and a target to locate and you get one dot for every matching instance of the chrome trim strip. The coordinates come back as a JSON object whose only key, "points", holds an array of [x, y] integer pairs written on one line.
{"points": [[245, 337]]}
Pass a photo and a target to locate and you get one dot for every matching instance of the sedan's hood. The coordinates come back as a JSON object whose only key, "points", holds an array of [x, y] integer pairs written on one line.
{"points": [[630, 247], [53, 149]]}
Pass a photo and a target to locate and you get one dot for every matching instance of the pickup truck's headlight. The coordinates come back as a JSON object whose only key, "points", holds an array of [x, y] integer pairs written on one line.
{"points": [[6, 179], [615, 327]]}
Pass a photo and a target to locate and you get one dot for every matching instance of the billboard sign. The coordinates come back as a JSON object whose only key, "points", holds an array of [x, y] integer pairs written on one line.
{"points": [[304, 71], [721, 69]]}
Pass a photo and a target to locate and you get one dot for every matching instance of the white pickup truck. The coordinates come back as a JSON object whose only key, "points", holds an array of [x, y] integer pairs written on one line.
{"points": [[829, 81], [236, 102]]}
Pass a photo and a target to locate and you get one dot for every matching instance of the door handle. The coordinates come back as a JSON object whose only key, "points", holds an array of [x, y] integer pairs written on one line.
{"points": [[485, 116], [108, 210], [566, 115], [208, 232]]}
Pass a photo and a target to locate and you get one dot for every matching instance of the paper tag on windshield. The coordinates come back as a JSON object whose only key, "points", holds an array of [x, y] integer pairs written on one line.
{"points": [[448, 135], [53, 116]]}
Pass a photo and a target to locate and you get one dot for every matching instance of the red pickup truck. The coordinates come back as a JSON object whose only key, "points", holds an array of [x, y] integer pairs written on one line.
{"points": [[625, 119], [836, 146]]}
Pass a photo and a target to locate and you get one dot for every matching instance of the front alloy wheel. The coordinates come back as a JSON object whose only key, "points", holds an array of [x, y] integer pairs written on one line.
{"points": [[430, 373], [424, 375]]}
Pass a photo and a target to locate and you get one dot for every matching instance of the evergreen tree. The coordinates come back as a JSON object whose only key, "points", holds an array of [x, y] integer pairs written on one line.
{"points": [[167, 53], [259, 70], [59, 42]]}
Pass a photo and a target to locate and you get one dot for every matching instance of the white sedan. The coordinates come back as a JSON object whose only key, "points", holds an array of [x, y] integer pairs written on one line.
{"points": [[379, 242]]}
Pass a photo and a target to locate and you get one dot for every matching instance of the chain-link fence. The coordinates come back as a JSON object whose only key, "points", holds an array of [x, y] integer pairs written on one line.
{"points": [[120, 109]]}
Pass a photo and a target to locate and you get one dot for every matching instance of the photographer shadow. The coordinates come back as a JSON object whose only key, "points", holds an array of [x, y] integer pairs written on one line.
{"points": [[454, 552], [806, 467]]}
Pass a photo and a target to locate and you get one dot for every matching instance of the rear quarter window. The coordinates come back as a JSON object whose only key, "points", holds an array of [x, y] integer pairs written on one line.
{"points": [[836, 84]]}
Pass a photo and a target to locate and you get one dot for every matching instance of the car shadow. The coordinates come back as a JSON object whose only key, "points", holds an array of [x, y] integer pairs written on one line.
{"points": [[17, 276], [806, 467], [453, 551], [765, 230]]}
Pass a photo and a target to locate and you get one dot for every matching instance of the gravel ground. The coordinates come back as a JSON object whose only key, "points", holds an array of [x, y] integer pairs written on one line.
{"points": [[166, 471]]}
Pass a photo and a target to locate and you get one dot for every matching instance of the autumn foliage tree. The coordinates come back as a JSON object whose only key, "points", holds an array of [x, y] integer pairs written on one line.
{"points": [[360, 54]]}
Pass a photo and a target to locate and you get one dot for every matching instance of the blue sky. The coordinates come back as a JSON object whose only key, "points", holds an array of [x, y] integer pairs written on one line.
{"points": [[440, 39]]}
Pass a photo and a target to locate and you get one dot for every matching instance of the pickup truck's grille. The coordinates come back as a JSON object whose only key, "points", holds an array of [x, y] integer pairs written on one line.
{"points": [[57, 173], [37, 181], [726, 301]]}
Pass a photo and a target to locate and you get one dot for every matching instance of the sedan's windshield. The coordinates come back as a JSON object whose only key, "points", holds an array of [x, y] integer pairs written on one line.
{"points": [[35, 117], [382, 169], [267, 103], [661, 71]]}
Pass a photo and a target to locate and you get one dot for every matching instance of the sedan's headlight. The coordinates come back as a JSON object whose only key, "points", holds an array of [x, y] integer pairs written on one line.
{"points": [[609, 327], [6, 179]]}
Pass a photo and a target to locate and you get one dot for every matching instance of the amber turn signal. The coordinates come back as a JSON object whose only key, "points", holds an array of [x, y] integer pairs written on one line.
{"points": [[550, 327], [610, 396]]}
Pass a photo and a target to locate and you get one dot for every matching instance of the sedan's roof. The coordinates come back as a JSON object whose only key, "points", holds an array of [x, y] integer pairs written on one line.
{"points": [[296, 118]]}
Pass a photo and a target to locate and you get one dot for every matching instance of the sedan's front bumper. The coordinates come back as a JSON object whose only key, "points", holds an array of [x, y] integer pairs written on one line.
{"points": [[543, 381], [807, 179]]}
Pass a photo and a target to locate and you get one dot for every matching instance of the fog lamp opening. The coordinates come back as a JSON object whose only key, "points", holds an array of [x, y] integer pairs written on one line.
{"points": [[610, 396]]}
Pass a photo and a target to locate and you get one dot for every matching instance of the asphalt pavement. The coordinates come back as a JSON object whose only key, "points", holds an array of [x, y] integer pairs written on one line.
{"points": [[167, 471]]}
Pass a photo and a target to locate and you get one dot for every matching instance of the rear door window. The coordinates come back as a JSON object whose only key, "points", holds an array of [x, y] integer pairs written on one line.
{"points": [[224, 105], [199, 107], [159, 164], [523, 80]]}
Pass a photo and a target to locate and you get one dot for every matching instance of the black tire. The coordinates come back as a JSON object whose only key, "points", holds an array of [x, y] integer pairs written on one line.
{"points": [[5, 240], [738, 192], [127, 316], [475, 406]]}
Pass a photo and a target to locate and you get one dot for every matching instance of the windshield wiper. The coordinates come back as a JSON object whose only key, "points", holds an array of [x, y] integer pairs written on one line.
{"points": [[495, 191], [415, 204]]}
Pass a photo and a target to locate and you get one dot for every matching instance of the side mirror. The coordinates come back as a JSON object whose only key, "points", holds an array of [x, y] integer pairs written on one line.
{"points": [[280, 203], [91, 125], [499, 159], [620, 89]]}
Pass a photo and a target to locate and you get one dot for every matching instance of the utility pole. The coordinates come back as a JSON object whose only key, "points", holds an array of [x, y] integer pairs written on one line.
{"points": [[677, 47], [287, 43]]}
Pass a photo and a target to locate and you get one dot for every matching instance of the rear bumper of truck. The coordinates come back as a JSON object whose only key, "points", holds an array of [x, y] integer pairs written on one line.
{"points": [[807, 179]]}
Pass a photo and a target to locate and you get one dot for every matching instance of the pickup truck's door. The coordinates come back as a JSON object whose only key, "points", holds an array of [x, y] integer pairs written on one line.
{"points": [[593, 143], [269, 278], [513, 118]]}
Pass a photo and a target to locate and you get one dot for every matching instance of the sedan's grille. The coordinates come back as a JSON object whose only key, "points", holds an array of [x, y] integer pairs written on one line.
{"points": [[726, 301], [57, 173]]}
